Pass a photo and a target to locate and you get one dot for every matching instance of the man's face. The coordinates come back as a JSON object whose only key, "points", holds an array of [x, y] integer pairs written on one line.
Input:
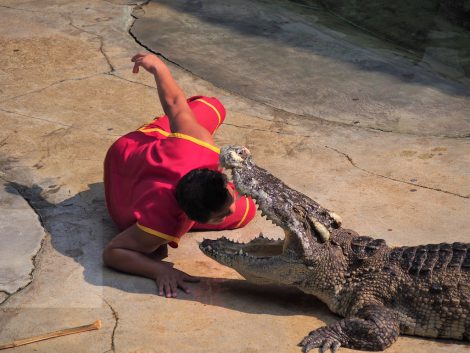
{"points": [[218, 218]]}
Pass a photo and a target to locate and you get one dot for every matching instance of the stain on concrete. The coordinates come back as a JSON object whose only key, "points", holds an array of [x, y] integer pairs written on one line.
{"points": [[408, 153], [426, 156]]}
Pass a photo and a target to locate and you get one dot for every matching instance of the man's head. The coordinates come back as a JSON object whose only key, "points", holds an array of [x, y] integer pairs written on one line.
{"points": [[203, 195]]}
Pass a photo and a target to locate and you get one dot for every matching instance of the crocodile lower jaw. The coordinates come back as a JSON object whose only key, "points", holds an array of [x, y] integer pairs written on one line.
{"points": [[228, 251]]}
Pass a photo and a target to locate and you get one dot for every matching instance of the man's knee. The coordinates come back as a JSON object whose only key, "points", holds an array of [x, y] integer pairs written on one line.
{"points": [[219, 106], [209, 111]]}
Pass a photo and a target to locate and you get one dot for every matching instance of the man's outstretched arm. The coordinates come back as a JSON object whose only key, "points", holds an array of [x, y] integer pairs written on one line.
{"points": [[129, 252], [172, 98]]}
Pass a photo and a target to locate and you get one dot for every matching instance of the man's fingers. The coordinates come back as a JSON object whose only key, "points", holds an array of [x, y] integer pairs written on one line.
{"points": [[164, 288], [160, 288], [135, 70], [168, 286], [138, 55], [174, 289], [168, 290]]}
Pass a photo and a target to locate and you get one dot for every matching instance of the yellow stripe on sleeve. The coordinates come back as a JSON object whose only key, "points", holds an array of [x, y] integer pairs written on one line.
{"points": [[144, 129], [181, 136], [247, 208], [158, 234], [213, 108]]}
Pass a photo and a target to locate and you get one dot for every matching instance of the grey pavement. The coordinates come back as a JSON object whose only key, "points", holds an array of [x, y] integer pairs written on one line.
{"points": [[304, 62], [334, 113], [21, 235]]}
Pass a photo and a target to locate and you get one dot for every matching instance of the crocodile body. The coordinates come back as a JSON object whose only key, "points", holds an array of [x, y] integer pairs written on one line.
{"points": [[380, 291]]}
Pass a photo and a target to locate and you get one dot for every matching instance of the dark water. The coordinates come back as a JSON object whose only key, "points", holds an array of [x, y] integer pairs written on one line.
{"points": [[433, 30]]}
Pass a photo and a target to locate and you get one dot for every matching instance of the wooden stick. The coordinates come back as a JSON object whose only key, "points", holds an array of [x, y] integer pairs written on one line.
{"points": [[94, 326]]}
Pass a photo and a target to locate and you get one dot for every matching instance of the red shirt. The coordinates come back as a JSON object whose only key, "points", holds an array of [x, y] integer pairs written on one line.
{"points": [[141, 173]]}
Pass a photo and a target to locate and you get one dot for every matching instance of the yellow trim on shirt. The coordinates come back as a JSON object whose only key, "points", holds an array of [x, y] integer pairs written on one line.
{"points": [[181, 136], [213, 108], [158, 234], [196, 141], [247, 207], [154, 129]]}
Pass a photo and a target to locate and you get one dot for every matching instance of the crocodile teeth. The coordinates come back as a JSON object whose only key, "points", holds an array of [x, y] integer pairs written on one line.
{"points": [[224, 238], [336, 218], [322, 230], [242, 253]]}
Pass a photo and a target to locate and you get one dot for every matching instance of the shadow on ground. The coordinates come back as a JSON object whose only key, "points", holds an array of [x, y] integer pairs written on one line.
{"points": [[80, 228], [294, 24]]}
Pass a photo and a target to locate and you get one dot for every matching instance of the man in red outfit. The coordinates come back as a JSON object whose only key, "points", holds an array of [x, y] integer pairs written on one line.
{"points": [[164, 179]]}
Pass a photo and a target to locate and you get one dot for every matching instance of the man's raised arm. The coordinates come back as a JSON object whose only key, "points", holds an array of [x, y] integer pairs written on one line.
{"points": [[172, 98]]}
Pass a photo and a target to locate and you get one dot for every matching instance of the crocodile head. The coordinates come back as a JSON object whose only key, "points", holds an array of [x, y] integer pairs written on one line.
{"points": [[307, 226]]}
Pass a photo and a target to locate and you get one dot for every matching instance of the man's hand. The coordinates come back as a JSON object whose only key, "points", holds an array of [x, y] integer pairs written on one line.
{"points": [[169, 279], [149, 62], [137, 252]]}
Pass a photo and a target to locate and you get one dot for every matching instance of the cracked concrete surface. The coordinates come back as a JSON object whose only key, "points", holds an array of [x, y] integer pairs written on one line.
{"points": [[20, 245], [67, 92], [116, 322]]}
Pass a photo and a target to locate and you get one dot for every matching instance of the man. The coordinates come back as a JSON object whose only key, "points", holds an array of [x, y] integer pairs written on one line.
{"points": [[163, 180]]}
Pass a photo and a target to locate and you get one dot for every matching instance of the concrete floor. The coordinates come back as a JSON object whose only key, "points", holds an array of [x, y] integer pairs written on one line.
{"points": [[347, 121]]}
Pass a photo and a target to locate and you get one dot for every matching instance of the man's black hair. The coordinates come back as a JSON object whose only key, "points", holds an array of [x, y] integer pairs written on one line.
{"points": [[203, 192]]}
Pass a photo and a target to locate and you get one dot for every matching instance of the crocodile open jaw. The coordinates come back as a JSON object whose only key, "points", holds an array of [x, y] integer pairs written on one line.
{"points": [[305, 223]]}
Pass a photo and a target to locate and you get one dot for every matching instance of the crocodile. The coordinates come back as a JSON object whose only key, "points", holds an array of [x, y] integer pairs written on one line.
{"points": [[379, 290]]}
